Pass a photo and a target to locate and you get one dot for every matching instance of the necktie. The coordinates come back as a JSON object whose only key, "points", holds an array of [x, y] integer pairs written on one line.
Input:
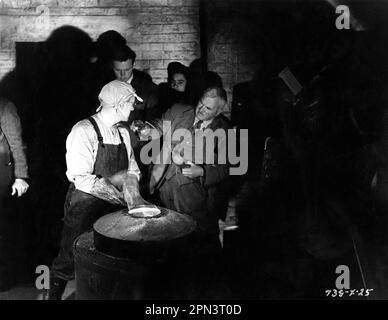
{"points": [[197, 125]]}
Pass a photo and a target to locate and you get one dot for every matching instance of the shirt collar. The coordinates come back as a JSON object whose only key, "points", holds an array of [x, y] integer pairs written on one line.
{"points": [[204, 124], [130, 79], [103, 121]]}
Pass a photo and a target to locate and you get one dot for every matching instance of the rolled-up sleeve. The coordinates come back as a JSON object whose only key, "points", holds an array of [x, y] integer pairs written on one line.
{"points": [[133, 168], [12, 129], [80, 157]]}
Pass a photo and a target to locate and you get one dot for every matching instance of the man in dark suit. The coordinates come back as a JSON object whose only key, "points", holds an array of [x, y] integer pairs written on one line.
{"points": [[123, 60], [184, 185], [191, 186]]}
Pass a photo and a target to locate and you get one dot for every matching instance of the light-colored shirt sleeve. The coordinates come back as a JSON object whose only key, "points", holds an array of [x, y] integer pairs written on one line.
{"points": [[81, 153], [133, 168], [81, 150]]}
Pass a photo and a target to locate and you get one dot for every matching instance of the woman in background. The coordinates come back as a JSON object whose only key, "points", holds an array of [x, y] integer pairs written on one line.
{"points": [[175, 90]]}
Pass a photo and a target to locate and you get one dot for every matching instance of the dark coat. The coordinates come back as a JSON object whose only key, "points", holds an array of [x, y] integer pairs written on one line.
{"points": [[215, 175], [101, 74], [148, 91]]}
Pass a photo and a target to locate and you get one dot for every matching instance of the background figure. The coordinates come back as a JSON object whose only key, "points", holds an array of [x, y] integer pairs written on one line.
{"points": [[106, 44], [199, 79], [381, 184], [197, 72], [61, 99], [13, 175], [123, 60], [101, 71], [50, 89], [175, 90]]}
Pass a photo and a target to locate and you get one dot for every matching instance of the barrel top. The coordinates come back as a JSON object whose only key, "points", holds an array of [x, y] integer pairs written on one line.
{"points": [[167, 226], [85, 241]]}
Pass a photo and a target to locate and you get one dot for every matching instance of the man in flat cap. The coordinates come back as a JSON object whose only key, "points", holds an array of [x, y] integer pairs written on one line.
{"points": [[98, 151]]}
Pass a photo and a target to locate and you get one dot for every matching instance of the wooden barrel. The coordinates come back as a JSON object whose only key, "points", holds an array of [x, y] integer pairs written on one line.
{"points": [[100, 276], [133, 255]]}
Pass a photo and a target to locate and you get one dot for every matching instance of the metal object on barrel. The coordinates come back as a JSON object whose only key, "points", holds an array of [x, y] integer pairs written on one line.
{"points": [[131, 257], [124, 235]]}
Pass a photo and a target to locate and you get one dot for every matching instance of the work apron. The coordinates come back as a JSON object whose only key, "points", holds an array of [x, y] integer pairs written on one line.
{"points": [[82, 209]]}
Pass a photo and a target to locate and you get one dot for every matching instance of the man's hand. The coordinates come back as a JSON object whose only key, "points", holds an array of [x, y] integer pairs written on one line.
{"points": [[177, 158], [143, 129], [136, 125], [118, 179], [131, 191], [193, 172], [105, 190], [19, 187]]}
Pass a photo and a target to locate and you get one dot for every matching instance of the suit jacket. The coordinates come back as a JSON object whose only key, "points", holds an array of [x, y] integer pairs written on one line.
{"points": [[11, 144], [181, 116]]}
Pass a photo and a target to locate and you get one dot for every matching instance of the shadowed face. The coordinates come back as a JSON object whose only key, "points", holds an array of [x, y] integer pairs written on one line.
{"points": [[178, 82], [123, 69]]}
